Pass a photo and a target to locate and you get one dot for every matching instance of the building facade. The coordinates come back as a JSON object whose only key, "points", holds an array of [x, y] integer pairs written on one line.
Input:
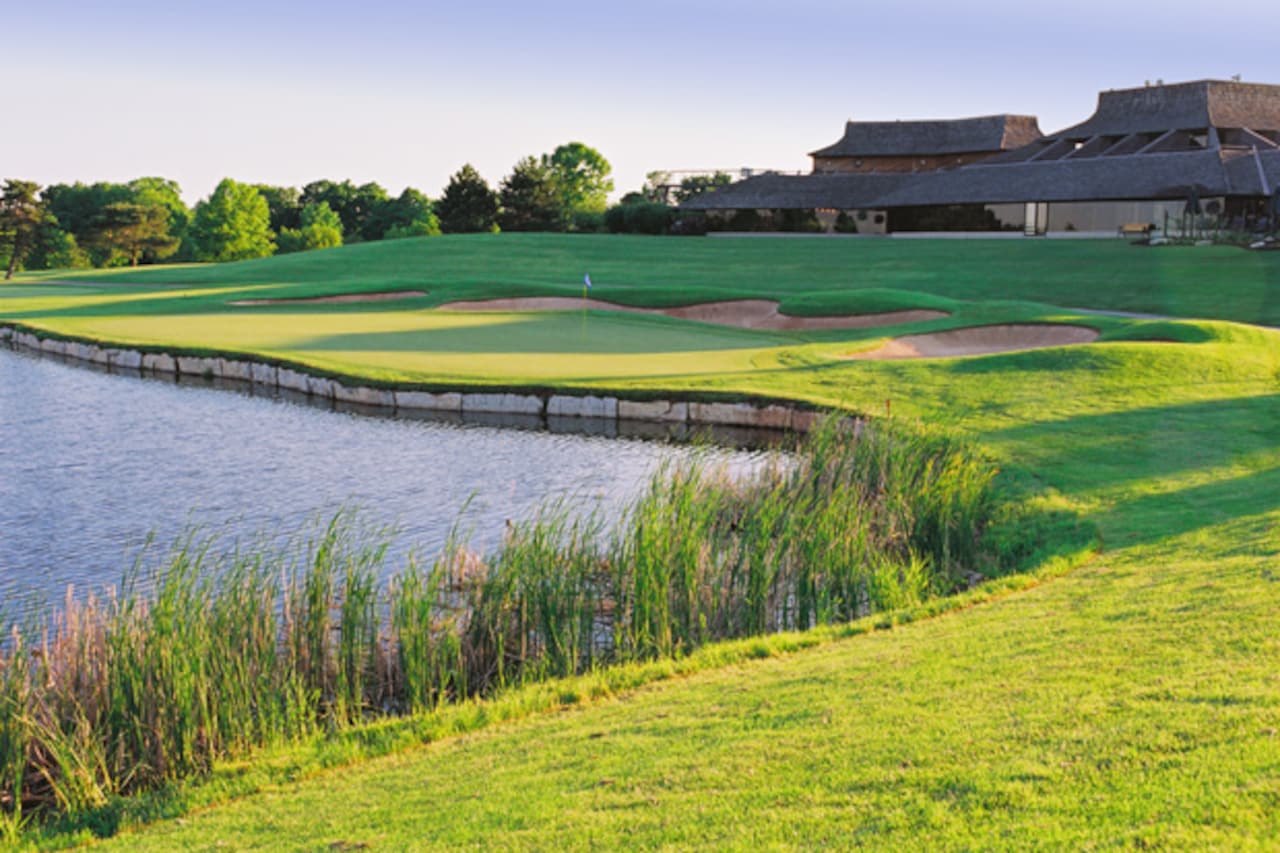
{"points": [[1145, 157]]}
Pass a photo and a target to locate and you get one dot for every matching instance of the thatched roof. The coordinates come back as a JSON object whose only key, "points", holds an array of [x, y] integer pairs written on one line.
{"points": [[1255, 174], [799, 192], [1150, 143], [1151, 176], [924, 138], [1199, 104]]}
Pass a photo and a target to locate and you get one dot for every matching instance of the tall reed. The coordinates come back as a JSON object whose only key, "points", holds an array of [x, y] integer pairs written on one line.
{"points": [[215, 653]]}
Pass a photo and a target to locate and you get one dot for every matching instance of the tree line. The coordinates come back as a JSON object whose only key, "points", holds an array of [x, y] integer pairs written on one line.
{"points": [[145, 221]]}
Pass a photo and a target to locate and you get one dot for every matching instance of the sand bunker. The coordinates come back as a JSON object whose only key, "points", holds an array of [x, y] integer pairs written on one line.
{"points": [[380, 296], [743, 313], [981, 340]]}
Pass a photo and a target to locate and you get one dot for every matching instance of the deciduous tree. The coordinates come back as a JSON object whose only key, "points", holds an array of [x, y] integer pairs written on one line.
{"points": [[696, 185], [56, 249], [284, 205], [409, 214], [352, 203], [79, 210], [233, 224], [582, 175]]}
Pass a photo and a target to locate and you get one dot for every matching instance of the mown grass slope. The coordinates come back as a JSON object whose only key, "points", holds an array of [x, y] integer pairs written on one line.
{"points": [[1206, 282], [1132, 702]]}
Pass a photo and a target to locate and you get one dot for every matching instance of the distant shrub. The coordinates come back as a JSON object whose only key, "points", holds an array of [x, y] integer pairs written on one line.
{"points": [[427, 226], [587, 222], [690, 225], [289, 240], [797, 221], [640, 217], [846, 224]]}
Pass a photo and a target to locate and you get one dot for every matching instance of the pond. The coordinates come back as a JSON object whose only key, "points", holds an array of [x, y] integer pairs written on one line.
{"points": [[92, 464]]}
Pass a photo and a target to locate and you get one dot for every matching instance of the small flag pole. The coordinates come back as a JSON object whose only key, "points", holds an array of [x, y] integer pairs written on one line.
{"points": [[586, 285]]}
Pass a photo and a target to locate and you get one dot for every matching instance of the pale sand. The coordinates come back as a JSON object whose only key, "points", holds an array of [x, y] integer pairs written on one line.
{"points": [[743, 313], [380, 296], [980, 340]]}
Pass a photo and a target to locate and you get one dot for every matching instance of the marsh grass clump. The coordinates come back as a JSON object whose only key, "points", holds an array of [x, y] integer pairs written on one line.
{"points": [[215, 652], [858, 520]]}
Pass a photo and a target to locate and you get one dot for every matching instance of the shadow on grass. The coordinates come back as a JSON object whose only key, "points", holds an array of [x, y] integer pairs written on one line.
{"points": [[1121, 449]]}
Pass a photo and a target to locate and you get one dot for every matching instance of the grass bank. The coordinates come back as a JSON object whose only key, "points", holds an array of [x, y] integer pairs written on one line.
{"points": [[1129, 703], [217, 654]]}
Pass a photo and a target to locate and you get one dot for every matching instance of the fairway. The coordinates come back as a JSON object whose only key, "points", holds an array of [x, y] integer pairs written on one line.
{"points": [[1130, 700], [1218, 282]]}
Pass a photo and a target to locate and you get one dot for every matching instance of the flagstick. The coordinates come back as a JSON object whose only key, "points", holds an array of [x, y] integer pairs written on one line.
{"points": [[584, 315]]}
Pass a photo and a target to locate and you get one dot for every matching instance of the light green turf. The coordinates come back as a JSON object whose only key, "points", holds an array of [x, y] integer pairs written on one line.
{"points": [[1131, 702]]}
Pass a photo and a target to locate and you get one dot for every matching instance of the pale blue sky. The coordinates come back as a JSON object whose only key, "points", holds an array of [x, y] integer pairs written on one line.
{"points": [[404, 93]]}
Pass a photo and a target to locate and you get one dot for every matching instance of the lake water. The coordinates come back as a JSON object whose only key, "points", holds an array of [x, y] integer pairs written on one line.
{"points": [[92, 464]]}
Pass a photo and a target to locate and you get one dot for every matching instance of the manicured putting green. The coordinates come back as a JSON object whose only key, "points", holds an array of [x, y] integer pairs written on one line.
{"points": [[415, 344]]}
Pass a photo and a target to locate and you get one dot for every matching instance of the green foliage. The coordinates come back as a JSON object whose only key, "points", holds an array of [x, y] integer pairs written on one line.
{"points": [[845, 224], [233, 224], [82, 211], [289, 241], [530, 198], [587, 222], [321, 229], [21, 215], [353, 204], [426, 227], [656, 188], [639, 217], [77, 208], [284, 205], [56, 249], [582, 176], [134, 229], [695, 185], [468, 205], [409, 214], [161, 192]]}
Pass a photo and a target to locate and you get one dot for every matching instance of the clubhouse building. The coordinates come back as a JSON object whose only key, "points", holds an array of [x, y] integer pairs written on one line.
{"points": [[1146, 157]]}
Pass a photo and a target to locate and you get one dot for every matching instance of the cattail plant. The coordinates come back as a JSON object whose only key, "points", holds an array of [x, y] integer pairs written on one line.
{"points": [[216, 652]]}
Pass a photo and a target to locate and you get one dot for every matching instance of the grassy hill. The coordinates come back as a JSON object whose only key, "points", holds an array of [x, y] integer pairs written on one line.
{"points": [[1130, 702], [1206, 282]]}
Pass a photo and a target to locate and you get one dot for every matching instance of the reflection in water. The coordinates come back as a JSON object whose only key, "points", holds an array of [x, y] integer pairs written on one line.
{"points": [[91, 464]]}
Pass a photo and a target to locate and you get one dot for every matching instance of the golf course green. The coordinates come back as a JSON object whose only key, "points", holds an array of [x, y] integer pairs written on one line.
{"points": [[1130, 698]]}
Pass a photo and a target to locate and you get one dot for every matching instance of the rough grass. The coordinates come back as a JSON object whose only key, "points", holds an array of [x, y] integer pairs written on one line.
{"points": [[215, 654], [1129, 703]]}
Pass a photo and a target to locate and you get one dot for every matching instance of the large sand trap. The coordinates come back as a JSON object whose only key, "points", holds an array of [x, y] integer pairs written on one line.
{"points": [[743, 313], [379, 296], [981, 340]]}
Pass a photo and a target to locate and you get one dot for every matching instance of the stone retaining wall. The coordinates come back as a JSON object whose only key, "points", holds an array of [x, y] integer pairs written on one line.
{"points": [[772, 416]]}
